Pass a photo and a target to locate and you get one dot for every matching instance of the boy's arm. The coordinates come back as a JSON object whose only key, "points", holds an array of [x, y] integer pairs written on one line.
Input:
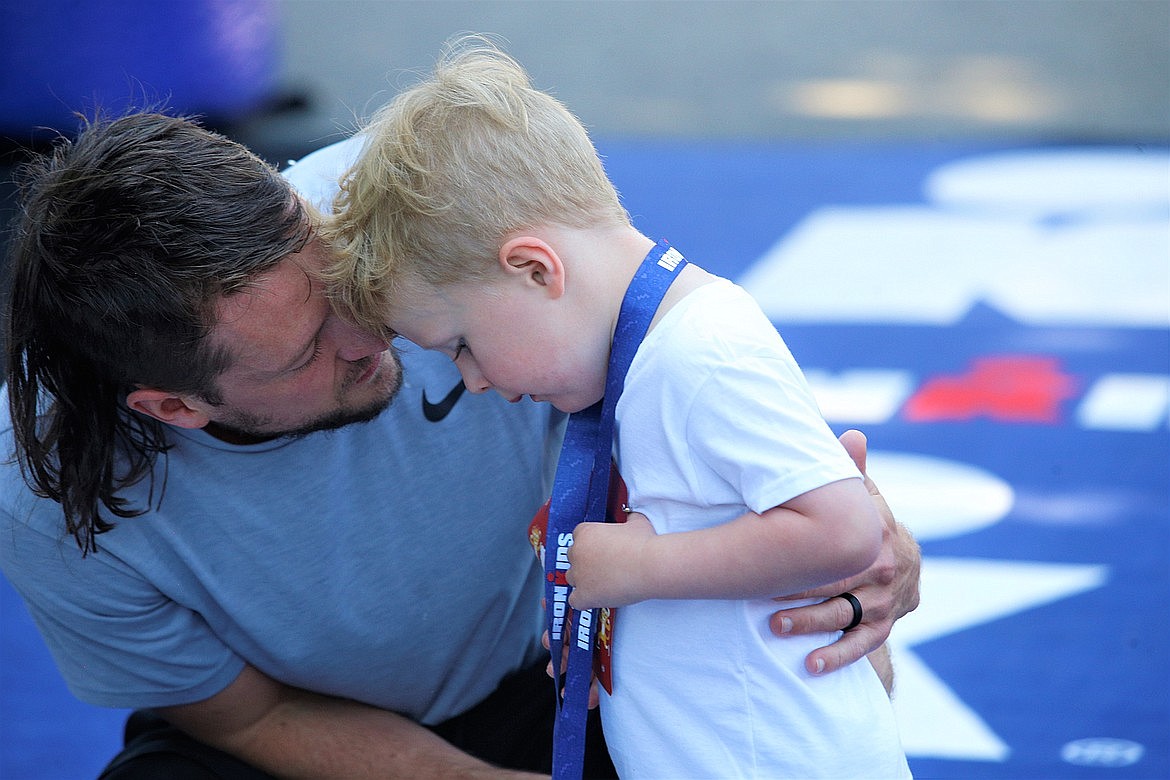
{"points": [[824, 535], [887, 590]]}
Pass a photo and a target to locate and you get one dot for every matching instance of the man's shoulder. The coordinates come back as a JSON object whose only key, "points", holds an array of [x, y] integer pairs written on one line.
{"points": [[23, 514]]}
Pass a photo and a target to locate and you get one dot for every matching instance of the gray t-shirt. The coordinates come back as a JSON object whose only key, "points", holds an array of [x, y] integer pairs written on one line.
{"points": [[385, 562]]}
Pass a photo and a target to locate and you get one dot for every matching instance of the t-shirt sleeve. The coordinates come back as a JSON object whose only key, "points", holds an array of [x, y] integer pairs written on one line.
{"points": [[116, 639], [755, 424], [316, 175]]}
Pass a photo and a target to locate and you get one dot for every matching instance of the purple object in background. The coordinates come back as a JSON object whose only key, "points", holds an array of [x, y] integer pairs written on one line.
{"points": [[215, 58]]}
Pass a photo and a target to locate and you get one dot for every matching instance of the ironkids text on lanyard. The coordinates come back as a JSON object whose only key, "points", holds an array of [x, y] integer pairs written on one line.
{"points": [[580, 493]]}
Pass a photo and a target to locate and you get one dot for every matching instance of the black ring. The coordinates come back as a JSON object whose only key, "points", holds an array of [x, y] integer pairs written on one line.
{"points": [[853, 602]]}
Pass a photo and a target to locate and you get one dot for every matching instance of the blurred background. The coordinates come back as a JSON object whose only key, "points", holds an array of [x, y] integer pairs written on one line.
{"points": [[292, 74], [729, 123]]}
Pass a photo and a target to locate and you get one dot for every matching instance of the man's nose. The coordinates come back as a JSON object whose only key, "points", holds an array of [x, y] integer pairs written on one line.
{"points": [[358, 343]]}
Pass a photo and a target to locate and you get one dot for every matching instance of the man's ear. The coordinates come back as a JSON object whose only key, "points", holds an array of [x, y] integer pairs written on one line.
{"points": [[167, 407], [534, 261]]}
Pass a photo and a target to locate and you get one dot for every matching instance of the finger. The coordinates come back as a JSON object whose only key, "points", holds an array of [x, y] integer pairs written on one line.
{"points": [[564, 663], [855, 444], [594, 695], [832, 614], [851, 647]]}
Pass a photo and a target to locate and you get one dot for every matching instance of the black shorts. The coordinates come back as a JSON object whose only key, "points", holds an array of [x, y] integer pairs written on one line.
{"points": [[511, 728]]}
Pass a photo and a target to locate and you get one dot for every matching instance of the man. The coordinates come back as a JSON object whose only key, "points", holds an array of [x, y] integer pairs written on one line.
{"points": [[200, 527]]}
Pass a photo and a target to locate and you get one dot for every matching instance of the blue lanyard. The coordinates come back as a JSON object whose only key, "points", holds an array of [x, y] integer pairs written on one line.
{"points": [[580, 492]]}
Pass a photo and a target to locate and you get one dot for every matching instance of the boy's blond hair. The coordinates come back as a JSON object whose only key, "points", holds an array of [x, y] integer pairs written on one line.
{"points": [[452, 166]]}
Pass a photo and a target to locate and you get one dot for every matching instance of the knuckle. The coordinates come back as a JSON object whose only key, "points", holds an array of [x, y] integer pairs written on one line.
{"points": [[912, 602], [842, 612]]}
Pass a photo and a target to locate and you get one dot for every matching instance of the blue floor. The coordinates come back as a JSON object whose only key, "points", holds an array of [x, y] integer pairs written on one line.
{"points": [[997, 320]]}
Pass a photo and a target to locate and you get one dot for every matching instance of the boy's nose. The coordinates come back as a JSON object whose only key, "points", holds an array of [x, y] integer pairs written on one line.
{"points": [[473, 379]]}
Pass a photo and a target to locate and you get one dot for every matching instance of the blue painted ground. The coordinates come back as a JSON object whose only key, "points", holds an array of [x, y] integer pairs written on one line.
{"points": [[997, 320]]}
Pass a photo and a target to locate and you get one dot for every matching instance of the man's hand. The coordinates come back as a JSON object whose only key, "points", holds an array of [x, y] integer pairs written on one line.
{"points": [[887, 591], [594, 689]]}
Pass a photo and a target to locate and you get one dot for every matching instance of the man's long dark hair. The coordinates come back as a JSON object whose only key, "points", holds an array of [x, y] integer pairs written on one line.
{"points": [[126, 238]]}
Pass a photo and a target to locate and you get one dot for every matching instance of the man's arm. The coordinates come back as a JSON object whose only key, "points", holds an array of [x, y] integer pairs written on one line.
{"points": [[887, 591], [289, 732]]}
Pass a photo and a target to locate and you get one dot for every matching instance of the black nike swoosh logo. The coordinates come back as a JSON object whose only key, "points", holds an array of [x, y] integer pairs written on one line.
{"points": [[436, 412]]}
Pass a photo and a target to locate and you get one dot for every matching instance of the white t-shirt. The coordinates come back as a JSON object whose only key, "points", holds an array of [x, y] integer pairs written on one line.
{"points": [[716, 419]]}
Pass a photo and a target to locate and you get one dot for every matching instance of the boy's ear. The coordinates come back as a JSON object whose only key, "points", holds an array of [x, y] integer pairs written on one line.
{"points": [[535, 262], [166, 407]]}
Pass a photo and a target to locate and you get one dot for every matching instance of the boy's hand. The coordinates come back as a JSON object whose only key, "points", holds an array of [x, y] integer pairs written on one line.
{"points": [[604, 567]]}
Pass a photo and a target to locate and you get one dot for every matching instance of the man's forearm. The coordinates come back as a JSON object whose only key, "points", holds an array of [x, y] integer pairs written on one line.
{"points": [[292, 733], [314, 736]]}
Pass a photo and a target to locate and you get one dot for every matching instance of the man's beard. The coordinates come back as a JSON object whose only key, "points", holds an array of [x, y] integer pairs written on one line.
{"points": [[342, 418], [246, 428]]}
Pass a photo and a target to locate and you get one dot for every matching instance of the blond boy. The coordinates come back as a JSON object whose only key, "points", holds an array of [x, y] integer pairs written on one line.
{"points": [[479, 222]]}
